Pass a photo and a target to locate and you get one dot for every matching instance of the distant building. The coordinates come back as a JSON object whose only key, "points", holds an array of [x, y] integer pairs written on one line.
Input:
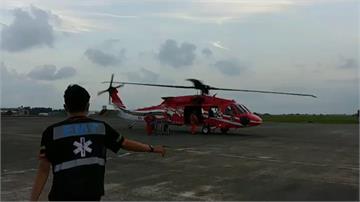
{"points": [[40, 110], [23, 111], [7, 112], [57, 112], [19, 111], [43, 114]]}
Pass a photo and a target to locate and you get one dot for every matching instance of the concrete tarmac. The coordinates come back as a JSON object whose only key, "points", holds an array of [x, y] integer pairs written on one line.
{"points": [[274, 161]]}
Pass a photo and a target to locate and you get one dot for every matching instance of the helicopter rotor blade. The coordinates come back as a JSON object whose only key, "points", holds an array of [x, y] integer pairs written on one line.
{"points": [[149, 84], [102, 92], [119, 86], [197, 84], [262, 91], [112, 79]]}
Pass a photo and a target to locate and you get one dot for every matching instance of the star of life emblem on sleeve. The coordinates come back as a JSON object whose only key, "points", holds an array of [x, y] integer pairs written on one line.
{"points": [[82, 147]]}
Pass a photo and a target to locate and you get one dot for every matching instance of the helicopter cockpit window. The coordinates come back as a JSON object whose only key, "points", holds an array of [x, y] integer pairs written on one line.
{"points": [[241, 109], [243, 106]]}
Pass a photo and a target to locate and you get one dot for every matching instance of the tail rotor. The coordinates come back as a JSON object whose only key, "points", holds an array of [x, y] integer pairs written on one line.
{"points": [[111, 88]]}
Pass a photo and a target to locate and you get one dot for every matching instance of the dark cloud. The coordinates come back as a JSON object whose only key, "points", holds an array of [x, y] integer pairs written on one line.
{"points": [[50, 72], [143, 75], [18, 89], [207, 52], [349, 63], [99, 57], [229, 67], [177, 56], [29, 29]]}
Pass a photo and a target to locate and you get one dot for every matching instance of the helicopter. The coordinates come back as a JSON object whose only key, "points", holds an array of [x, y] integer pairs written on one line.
{"points": [[210, 112]]}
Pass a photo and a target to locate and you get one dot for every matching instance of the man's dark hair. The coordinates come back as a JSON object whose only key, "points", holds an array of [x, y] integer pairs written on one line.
{"points": [[76, 98]]}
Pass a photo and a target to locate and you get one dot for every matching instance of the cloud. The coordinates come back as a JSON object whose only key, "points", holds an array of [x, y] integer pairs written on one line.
{"points": [[28, 30], [18, 89], [104, 14], [99, 57], [49, 72], [349, 63], [207, 52], [177, 56], [217, 44], [223, 11], [143, 75], [230, 67]]}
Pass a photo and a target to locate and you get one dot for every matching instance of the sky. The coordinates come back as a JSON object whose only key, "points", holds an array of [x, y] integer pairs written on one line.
{"points": [[302, 46]]}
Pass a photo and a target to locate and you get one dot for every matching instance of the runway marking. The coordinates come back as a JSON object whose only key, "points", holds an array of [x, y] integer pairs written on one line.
{"points": [[264, 157], [188, 194], [110, 186], [119, 156], [148, 190], [183, 149], [194, 193], [17, 191], [123, 155], [198, 152], [19, 171]]}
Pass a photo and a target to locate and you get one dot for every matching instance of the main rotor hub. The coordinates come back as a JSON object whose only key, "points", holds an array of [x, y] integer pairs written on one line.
{"points": [[200, 86]]}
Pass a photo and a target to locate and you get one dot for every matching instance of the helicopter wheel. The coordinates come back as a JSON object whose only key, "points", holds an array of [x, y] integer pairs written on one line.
{"points": [[205, 130], [224, 130]]}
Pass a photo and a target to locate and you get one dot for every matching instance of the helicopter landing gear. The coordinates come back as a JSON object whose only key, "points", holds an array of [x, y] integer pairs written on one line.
{"points": [[166, 129], [205, 129], [224, 130]]}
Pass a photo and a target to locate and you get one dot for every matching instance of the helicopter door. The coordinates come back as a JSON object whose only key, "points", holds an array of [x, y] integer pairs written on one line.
{"points": [[188, 110]]}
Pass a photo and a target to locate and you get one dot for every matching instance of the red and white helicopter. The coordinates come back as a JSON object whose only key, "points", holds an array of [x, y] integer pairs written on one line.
{"points": [[211, 112]]}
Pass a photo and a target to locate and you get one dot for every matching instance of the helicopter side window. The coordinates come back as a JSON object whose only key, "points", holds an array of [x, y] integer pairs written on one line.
{"points": [[213, 112], [228, 111]]}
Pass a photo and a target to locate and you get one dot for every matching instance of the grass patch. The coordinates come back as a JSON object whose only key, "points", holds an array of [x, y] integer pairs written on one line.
{"points": [[303, 118]]}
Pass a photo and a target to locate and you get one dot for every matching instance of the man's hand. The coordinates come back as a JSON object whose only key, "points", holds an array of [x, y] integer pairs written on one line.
{"points": [[132, 145], [160, 149]]}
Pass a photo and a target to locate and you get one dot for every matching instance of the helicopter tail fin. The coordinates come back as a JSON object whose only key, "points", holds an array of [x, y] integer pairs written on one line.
{"points": [[113, 94], [116, 100]]}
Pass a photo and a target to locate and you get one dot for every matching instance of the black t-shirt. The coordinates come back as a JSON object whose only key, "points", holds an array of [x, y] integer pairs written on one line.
{"points": [[76, 148]]}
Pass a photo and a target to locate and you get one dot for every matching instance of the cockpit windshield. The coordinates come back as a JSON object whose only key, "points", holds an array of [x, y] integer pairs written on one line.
{"points": [[242, 109]]}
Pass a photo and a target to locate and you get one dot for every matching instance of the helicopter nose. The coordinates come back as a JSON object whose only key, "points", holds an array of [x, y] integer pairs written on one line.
{"points": [[255, 120]]}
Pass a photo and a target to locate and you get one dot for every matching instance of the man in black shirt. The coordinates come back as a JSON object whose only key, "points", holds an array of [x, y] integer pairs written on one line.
{"points": [[76, 150]]}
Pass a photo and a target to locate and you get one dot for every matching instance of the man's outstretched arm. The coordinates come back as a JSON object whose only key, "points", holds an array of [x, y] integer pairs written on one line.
{"points": [[40, 180], [132, 145]]}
